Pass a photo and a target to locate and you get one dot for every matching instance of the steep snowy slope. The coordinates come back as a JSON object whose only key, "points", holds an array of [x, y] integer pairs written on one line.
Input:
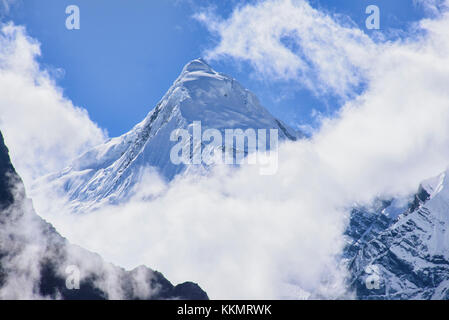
{"points": [[402, 252], [109, 171], [34, 258]]}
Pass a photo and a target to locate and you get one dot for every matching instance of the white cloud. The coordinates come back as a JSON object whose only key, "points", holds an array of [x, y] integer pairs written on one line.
{"points": [[238, 235], [43, 128], [242, 235], [28, 244], [290, 40]]}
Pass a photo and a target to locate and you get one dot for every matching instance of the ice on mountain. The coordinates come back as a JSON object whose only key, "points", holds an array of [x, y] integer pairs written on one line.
{"points": [[199, 94]]}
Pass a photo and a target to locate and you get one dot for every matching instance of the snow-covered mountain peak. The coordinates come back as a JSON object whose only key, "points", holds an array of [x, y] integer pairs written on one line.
{"points": [[199, 71], [199, 94], [216, 100]]}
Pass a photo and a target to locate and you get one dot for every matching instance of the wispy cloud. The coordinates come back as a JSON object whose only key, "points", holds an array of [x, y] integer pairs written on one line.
{"points": [[30, 246], [431, 6], [45, 129], [290, 40], [5, 6]]}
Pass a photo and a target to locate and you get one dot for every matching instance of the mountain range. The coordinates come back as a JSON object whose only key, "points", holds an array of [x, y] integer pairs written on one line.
{"points": [[395, 249]]}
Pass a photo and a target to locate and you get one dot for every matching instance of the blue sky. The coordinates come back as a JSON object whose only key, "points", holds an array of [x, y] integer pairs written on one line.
{"points": [[127, 53]]}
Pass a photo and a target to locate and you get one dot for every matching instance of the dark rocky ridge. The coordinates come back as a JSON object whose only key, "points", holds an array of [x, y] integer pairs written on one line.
{"points": [[40, 273], [400, 248]]}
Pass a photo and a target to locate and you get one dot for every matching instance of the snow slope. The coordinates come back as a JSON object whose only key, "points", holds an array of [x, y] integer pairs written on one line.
{"points": [[109, 171], [409, 251]]}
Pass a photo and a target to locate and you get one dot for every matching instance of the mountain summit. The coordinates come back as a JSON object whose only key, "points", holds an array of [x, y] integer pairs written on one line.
{"points": [[199, 95], [197, 65]]}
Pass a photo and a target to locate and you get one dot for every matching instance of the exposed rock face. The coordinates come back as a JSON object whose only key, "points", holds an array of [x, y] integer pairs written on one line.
{"points": [[34, 257], [402, 252]]}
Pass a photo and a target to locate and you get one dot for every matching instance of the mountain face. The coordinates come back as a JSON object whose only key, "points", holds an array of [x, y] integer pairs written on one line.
{"points": [[35, 261], [401, 251], [199, 95]]}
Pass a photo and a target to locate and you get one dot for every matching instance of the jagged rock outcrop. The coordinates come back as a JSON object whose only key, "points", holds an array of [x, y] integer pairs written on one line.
{"points": [[35, 260], [401, 251]]}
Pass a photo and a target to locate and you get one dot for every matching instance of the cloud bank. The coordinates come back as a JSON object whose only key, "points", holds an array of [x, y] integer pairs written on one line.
{"points": [[34, 260], [44, 129], [242, 235]]}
